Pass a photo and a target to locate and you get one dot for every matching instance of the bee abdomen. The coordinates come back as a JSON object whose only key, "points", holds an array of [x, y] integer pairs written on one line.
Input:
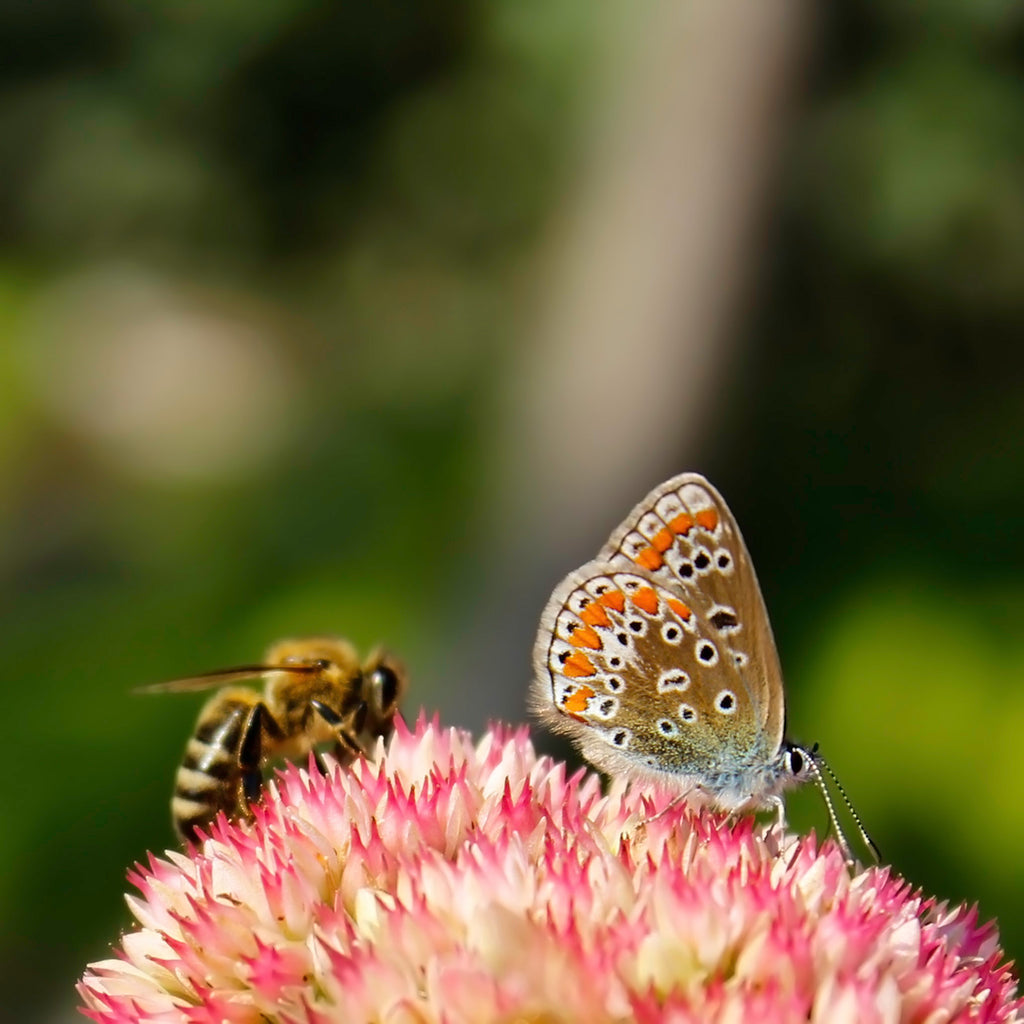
{"points": [[190, 815], [209, 777], [215, 761]]}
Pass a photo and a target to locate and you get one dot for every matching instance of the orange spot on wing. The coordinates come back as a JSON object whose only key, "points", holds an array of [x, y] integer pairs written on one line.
{"points": [[578, 665], [576, 703], [679, 608], [614, 599], [595, 615], [662, 540], [681, 524], [707, 519], [646, 600], [584, 636], [649, 559]]}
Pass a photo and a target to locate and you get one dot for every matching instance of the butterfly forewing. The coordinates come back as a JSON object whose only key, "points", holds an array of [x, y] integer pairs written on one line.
{"points": [[684, 536]]}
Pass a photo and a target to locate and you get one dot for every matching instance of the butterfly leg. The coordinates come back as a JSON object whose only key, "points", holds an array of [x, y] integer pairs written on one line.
{"points": [[780, 808], [640, 828], [674, 802], [780, 839]]}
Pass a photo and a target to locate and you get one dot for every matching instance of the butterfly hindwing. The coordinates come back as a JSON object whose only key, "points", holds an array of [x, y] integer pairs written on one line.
{"points": [[624, 660]]}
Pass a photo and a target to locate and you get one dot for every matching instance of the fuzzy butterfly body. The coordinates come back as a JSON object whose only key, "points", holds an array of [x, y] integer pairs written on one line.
{"points": [[657, 658]]}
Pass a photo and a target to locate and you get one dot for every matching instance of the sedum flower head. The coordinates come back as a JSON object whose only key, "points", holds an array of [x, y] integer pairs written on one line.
{"points": [[454, 882]]}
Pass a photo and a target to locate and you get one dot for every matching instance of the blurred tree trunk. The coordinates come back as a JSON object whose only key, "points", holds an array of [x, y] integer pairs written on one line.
{"points": [[623, 378]]}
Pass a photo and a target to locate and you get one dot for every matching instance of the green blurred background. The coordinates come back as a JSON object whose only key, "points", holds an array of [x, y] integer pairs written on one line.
{"points": [[282, 350]]}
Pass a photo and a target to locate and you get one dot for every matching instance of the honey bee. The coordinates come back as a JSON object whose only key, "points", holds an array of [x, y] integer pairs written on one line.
{"points": [[316, 692]]}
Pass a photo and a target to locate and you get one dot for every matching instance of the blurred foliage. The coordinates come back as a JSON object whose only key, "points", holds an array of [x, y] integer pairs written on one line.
{"points": [[357, 191]]}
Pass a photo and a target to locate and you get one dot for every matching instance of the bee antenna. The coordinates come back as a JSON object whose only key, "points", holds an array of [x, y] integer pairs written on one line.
{"points": [[818, 762]]}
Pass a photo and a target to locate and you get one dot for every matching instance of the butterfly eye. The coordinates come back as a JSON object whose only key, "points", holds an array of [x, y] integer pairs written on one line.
{"points": [[794, 761]]}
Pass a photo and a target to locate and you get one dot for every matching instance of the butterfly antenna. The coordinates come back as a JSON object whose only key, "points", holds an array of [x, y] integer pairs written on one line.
{"points": [[819, 762], [831, 807]]}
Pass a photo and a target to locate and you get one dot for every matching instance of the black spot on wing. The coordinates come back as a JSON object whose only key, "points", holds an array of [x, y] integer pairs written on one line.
{"points": [[724, 619]]}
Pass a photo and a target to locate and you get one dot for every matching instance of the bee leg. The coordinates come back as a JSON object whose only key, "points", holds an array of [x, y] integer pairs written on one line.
{"points": [[250, 752], [347, 729]]}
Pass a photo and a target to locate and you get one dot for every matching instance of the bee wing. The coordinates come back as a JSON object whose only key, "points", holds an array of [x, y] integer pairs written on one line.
{"points": [[222, 676]]}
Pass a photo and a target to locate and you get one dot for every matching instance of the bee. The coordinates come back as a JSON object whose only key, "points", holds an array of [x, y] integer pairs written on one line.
{"points": [[316, 692]]}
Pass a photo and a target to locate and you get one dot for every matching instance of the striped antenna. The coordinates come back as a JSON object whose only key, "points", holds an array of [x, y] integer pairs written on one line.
{"points": [[817, 764]]}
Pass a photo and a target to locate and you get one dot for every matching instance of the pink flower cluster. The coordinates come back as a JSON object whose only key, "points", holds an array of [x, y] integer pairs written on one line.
{"points": [[456, 882]]}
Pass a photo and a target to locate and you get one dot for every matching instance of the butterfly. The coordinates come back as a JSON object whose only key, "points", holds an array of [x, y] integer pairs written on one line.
{"points": [[657, 660]]}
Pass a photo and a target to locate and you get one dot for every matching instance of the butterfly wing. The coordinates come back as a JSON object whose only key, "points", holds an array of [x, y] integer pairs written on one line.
{"points": [[684, 536], [640, 677]]}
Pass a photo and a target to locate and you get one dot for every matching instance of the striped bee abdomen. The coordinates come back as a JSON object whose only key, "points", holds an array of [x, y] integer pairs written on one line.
{"points": [[210, 777]]}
